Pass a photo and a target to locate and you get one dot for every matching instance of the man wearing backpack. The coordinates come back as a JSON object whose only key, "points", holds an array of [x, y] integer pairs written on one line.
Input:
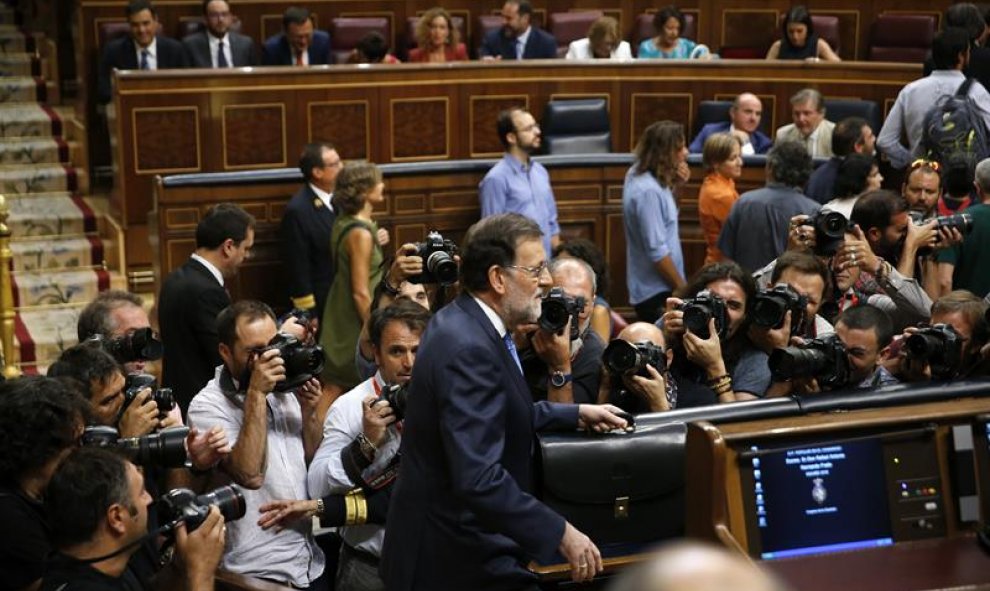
{"points": [[950, 53]]}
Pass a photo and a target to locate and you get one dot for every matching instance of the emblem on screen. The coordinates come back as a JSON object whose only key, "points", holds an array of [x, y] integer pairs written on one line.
{"points": [[818, 491]]}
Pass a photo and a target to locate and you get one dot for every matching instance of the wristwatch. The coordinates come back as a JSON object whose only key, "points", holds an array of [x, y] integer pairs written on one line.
{"points": [[559, 379]]}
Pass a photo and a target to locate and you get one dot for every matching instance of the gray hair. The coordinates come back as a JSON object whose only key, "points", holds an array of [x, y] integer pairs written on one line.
{"points": [[809, 94], [983, 174], [561, 262]]}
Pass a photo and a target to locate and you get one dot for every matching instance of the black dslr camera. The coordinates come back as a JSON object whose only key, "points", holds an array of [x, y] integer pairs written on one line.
{"points": [[557, 308], [140, 345], [302, 362], [702, 308], [135, 382], [166, 448], [181, 505], [439, 265], [830, 231], [960, 221], [940, 346], [396, 395], [624, 358], [823, 359], [771, 306]]}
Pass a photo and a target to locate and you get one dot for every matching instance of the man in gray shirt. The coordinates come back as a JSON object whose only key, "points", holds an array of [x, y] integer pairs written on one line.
{"points": [[755, 232]]}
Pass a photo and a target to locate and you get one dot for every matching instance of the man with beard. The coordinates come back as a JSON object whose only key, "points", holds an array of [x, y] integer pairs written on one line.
{"points": [[518, 39], [882, 217], [923, 187], [462, 514], [217, 46], [517, 184]]}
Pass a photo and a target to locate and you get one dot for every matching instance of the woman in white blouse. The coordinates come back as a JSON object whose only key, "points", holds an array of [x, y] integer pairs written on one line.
{"points": [[602, 42]]}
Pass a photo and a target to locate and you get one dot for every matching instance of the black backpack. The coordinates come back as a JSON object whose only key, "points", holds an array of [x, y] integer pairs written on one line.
{"points": [[955, 125]]}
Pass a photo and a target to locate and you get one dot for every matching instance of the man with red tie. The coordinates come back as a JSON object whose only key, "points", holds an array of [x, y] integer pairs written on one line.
{"points": [[299, 43]]}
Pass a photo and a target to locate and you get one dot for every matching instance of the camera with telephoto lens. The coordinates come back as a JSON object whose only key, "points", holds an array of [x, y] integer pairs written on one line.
{"points": [[770, 307], [166, 448], [396, 395], [140, 345], [556, 308], [830, 231], [302, 362], [624, 358], [940, 346], [960, 221], [702, 308], [181, 505], [823, 359], [135, 382], [439, 265]]}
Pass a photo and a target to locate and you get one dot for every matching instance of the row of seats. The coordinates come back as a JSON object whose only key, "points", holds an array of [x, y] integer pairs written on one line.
{"points": [[582, 126], [893, 37]]}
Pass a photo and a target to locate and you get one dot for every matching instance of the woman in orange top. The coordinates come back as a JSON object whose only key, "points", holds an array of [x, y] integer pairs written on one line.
{"points": [[437, 39], [722, 158]]}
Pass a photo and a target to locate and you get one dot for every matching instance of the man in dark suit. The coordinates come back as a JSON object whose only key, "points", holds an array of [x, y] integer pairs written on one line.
{"points": [[744, 121], [462, 514], [193, 295], [304, 235], [217, 46], [518, 39], [143, 49], [298, 44]]}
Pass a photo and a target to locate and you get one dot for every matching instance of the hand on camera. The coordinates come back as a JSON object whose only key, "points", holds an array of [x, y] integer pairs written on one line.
{"points": [[856, 252], [141, 416], [801, 236], [652, 389], [673, 320], [305, 332], [554, 348], [268, 370], [200, 551], [406, 264], [207, 449], [378, 415], [309, 395], [948, 237], [918, 237], [705, 353], [768, 339]]}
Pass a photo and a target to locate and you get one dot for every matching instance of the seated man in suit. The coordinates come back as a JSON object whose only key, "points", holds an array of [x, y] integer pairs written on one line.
{"points": [[744, 119], [218, 46], [810, 126], [299, 44], [518, 39], [852, 135], [143, 49]]}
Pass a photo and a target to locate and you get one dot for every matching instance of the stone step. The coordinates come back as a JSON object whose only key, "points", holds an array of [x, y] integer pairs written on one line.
{"points": [[67, 287], [21, 151], [31, 120], [41, 334], [46, 255], [25, 89], [46, 215], [13, 40], [19, 64], [42, 178]]}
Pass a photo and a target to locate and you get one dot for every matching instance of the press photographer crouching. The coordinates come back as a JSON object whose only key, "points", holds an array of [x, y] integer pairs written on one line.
{"points": [[41, 420], [561, 359], [635, 375], [358, 459], [98, 514], [706, 326]]}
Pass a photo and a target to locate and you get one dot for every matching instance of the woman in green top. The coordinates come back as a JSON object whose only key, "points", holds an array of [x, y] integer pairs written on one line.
{"points": [[358, 263]]}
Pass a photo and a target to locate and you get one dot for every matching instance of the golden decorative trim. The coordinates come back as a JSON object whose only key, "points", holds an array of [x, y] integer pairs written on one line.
{"points": [[367, 119], [447, 131], [134, 140], [223, 136]]}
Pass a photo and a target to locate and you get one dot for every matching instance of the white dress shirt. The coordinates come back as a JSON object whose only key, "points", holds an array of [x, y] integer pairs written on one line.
{"points": [[152, 50], [214, 44]]}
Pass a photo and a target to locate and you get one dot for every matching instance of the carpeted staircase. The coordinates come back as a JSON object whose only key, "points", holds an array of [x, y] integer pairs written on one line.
{"points": [[65, 249]]}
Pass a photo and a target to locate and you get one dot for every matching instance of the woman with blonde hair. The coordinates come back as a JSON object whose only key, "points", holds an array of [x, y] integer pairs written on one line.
{"points": [[722, 157], [437, 39], [357, 256], [603, 42]]}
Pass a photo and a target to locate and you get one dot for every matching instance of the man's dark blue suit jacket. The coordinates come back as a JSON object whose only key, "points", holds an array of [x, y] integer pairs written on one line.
{"points": [[276, 51], [540, 45]]}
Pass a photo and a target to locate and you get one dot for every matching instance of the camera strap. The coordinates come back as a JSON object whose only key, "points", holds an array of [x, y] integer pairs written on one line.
{"points": [[152, 535]]}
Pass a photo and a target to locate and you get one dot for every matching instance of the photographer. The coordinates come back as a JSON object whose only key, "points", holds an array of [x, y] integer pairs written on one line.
{"points": [[273, 432], [964, 266], [360, 444], [715, 362], [866, 332], [116, 314], [41, 420], [565, 365], [98, 513], [647, 387], [809, 277]]}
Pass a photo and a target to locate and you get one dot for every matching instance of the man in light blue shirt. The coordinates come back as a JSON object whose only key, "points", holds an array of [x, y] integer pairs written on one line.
{"points": [[517, 184]]}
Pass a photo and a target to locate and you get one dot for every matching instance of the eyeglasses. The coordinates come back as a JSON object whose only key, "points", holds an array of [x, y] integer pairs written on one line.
{"points": [[922, 163], [533, 272]]}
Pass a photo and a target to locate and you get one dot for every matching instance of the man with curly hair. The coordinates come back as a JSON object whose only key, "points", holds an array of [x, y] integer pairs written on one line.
{"points": [[41, 420]]}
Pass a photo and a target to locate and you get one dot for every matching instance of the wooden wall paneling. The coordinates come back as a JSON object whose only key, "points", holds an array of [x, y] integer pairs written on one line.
{"points": [[749, 27], [647, 108], [483, 110], [420, 128], [254, 136], [344, 123]]}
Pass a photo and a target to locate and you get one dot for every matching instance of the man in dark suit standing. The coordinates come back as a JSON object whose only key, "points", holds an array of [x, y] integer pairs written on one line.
{"points": [[143, 49], [518, 39], [299, 44], [193, 295], [462, 515], [217, 46], [304, 235]]}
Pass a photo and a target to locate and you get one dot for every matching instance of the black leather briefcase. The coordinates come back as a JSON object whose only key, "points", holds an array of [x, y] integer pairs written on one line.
{"points": [[618, 488]]}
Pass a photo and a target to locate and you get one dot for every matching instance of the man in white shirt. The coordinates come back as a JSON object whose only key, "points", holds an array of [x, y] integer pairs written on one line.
{"points": [[361, 439], [810, 126]]}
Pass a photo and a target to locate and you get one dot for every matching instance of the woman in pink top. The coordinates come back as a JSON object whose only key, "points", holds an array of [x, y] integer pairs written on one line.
{"points": [[437, 39], [722, 157]]}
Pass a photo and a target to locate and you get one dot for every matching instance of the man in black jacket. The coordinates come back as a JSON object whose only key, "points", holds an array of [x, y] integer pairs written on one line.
{"points": [[193, 295], [217, 46]]}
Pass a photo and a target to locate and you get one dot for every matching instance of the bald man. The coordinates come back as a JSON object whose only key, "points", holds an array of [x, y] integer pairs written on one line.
{"points": [[744, 119], [649, 391], [690, 566]]}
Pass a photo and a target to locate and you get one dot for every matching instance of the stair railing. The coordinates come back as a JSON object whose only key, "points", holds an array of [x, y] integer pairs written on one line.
{"points": [[10, 369]]}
